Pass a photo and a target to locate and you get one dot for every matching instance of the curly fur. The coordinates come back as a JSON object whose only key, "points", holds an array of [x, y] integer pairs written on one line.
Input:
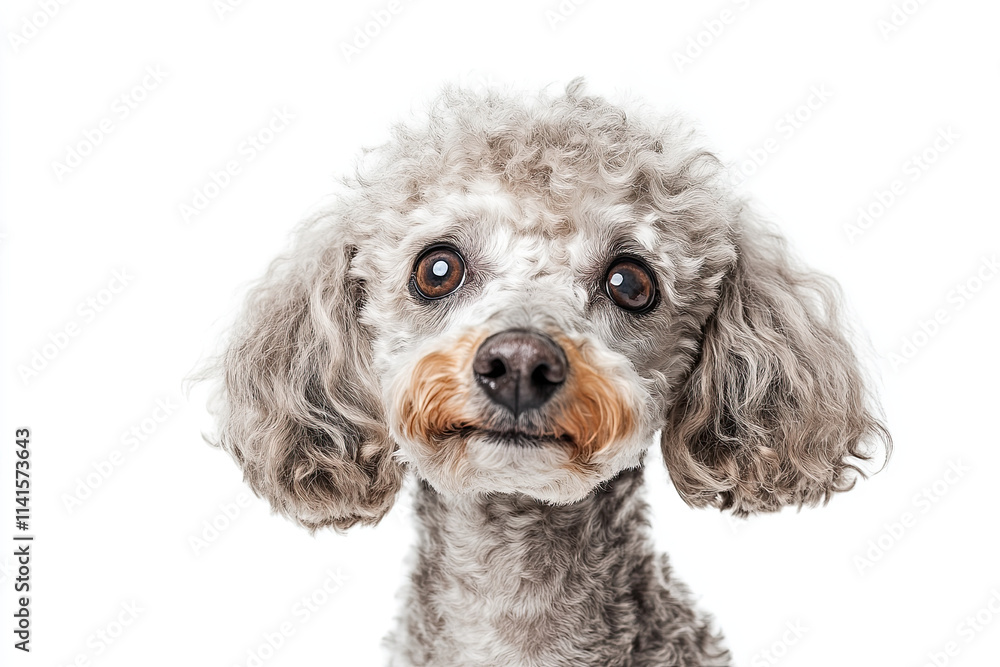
{"points": [[298, 411], [524, 582], [775, 411], [338, 379]]}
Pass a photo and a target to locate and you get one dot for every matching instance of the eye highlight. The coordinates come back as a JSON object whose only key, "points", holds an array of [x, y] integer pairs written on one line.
{"points": [[630, 284], [439, 271]]}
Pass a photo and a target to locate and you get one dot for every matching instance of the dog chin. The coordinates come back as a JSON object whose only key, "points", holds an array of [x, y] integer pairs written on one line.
{"points": [[539, 467]]}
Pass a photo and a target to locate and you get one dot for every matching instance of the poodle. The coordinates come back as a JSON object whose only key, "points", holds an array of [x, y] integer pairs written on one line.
{"points": [[511, 300]]}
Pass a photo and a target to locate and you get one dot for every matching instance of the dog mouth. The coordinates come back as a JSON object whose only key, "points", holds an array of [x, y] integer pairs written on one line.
{"points": [[514, 437]]}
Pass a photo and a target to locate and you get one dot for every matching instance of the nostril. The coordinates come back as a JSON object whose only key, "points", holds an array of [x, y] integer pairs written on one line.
{"points": [[546, 374], [496, 369]]}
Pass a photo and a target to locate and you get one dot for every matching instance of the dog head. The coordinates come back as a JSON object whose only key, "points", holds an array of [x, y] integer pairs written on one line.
{"points": [[515, 295]]}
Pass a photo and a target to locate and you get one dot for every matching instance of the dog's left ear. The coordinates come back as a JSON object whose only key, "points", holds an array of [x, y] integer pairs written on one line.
{"points": [[775, 411]]}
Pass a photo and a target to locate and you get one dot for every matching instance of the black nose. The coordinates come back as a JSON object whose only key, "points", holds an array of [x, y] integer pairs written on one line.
{"points": [[520, 370]]}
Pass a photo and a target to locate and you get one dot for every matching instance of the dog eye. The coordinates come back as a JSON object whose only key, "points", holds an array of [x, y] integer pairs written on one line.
{"points": [[630, 284], [438, 272]]}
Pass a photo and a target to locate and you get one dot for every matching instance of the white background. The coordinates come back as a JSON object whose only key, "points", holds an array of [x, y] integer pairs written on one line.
{"points": [[129, 541]]}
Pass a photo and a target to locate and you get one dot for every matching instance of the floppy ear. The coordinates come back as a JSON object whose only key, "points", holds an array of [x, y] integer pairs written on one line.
{"points": [[775, 410], [299, 407]]}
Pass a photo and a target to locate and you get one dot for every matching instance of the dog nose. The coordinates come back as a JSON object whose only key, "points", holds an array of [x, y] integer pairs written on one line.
{"points": [[519, 369]]}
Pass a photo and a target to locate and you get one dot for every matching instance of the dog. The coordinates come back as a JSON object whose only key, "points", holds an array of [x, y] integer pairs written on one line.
{"points": [[512, 299]]}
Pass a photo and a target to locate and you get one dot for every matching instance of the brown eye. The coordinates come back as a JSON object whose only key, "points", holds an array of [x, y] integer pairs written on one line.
{"points": [[630, 284], [439, 272]]}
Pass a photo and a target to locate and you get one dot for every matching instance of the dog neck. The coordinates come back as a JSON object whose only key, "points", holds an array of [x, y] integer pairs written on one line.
{"points": [[505, 579]]}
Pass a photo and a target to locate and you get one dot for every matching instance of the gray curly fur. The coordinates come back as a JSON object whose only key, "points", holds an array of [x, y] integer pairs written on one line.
{"points": [[574, 584], [541, 556]]}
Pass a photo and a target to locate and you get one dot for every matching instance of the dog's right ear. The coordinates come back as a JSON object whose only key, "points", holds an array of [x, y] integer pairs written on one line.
{"points": [[298, 404]]}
